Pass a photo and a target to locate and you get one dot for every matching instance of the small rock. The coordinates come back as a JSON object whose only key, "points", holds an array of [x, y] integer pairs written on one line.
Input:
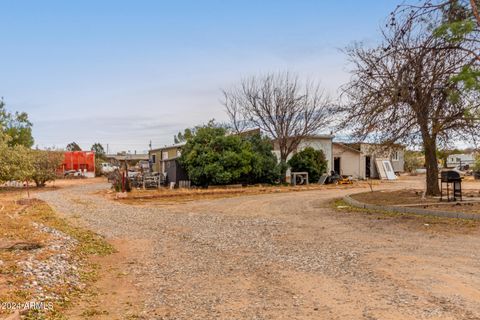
{"points": [[121, 195]]}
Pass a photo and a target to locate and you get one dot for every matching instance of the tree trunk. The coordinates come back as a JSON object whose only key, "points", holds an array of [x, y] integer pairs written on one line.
{"points": [[431, 165], [283, 169]]}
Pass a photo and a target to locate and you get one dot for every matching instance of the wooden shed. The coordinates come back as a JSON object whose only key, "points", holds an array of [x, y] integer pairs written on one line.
{"points": [[174, 171]]}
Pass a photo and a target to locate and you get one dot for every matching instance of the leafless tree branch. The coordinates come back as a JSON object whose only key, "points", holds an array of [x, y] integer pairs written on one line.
{"points": [[402, 90], [280, 105]]}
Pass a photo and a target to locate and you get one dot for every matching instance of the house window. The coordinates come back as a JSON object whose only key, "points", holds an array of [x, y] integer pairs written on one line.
{"points": [[164, 155], [153, 158], [395, 156], [179, 153]]}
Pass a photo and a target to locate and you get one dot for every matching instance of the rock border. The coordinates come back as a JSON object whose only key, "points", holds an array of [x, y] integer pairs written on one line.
{"points": [[424, 212]]}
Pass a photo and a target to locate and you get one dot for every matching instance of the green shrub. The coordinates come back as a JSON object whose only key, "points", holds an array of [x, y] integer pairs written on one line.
{"points": [[265, 168], [212, 157], [413, 160], [476, 166], [311, 161], [98, 166], [45, 166]]}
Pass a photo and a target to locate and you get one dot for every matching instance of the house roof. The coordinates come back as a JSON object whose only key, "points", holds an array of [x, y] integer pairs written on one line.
{"points": [[247, 133], [130, 157], [346, 146], [353, 145], [176, 145], [315, 136], [320, 136], [357, 145]]}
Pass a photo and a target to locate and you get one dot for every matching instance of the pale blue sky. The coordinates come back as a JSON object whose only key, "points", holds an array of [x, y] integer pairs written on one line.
{"points": [[127, 72]]}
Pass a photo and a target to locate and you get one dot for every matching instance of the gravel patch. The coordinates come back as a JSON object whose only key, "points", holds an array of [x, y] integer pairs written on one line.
{"points": [[59, 269], [210, 265]]}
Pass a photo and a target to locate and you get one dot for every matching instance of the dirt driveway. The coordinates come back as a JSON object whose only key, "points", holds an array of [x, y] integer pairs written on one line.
{"points": [[277, 256]]}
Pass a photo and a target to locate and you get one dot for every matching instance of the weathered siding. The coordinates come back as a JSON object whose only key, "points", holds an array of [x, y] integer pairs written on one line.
{"points": [[163, 154], [399, 164], [174, 171], [158, 157], [380, 152], [350, 161]]}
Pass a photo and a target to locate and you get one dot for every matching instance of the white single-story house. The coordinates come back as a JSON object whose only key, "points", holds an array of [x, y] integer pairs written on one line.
{"points": [[347, 161], [351, 159], [359, 159], [461, 159]]}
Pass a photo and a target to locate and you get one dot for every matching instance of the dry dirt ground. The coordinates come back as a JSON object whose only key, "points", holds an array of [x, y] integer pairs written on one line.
{"points": [[43, 258], [413, 198], [275, 256]]}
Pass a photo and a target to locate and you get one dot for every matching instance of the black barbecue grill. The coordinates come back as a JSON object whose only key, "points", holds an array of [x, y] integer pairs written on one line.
{"points": [[453, 181]]}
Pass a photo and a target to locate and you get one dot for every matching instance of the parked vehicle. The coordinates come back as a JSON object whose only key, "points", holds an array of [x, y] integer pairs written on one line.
{"points": [[107, 168], [73, 174]]}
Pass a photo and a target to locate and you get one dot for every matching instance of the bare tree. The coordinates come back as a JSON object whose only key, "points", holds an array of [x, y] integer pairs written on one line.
{"points": [[402, 91], [234, 110], [283, 107]]}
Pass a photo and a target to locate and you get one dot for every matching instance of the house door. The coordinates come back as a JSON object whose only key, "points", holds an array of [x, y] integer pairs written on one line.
{"points": [[336, 165], [368, 163]]}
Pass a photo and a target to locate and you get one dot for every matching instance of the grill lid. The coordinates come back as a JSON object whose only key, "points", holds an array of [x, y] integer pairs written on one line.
{"points": [[450, 176]]}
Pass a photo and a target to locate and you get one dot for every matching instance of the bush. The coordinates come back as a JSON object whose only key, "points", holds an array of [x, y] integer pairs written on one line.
{"points": [[265, 168], [15, 161], [413, 160], [311, 161], [45, 165], [476, 166], [98, 167], [211, 157]]}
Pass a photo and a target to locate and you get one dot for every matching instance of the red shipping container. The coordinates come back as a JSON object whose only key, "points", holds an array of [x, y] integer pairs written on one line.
{"points": [[80, 161]]}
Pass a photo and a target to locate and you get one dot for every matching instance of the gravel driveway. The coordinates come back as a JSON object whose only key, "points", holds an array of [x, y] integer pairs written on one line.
{"points": [[286, 256]]}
